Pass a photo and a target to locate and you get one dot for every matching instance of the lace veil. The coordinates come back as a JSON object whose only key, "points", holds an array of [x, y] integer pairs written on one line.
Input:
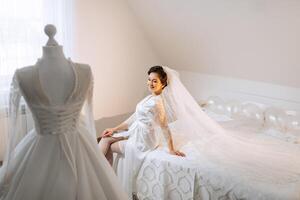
{"points": [[249, 156]]}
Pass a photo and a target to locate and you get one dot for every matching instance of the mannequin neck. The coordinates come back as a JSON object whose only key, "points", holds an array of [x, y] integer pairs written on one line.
{"points": [[53, 52]]}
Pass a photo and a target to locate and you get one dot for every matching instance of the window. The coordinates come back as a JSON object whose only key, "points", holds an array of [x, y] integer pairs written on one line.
{"points": [[21, 32], [21, 40]]}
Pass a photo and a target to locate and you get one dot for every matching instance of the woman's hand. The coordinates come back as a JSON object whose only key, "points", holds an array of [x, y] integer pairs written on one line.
{"points": [[177, 153], [108, 132]]}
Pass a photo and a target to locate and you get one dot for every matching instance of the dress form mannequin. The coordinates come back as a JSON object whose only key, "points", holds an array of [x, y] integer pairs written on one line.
{"points": [[59, 157], [56, 73]]}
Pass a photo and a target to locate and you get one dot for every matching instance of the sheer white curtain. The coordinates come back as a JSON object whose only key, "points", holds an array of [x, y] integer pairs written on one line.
{"points": [[22, 38]]}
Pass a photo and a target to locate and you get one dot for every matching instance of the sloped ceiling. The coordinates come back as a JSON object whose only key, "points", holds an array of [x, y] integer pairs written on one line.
{"points": [[249, 39]]}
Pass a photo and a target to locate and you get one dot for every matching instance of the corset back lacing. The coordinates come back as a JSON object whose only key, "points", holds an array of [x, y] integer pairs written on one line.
{"points": [[56, 119]]}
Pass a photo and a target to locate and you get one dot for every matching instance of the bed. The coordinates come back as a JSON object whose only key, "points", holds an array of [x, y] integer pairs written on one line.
{"points": [[163, 177]]}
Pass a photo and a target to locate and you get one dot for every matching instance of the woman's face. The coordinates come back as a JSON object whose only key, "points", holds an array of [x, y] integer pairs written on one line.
{"points": [[154, 84]]}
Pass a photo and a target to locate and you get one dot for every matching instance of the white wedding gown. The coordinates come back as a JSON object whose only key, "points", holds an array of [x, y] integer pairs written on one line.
{"points": [[144, 136], [59, 159]]}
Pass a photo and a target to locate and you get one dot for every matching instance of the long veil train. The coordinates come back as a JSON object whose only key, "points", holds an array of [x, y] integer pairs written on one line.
{"points": [[249, 158]]}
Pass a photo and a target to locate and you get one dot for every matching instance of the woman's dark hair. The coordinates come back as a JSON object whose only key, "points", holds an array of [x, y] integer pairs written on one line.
{"points": [[161, 74]]}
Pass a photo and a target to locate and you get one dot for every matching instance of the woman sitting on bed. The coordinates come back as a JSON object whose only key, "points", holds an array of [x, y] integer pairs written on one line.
{"points": [[253, 160], [140, 133], [139, 128]]}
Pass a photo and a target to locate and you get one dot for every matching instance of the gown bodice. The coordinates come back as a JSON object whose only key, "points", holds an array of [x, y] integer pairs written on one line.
{"points": [[50, 117], [145, 113]]}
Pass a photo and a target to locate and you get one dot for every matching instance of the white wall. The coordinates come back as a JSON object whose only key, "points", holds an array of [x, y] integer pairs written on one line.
{"points": [[108, 37], [249, 39], [202, 86]]}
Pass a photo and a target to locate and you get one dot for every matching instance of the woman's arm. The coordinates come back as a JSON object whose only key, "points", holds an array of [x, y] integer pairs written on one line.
{"points": [[168, 137], [121, 127], [166, 130]]}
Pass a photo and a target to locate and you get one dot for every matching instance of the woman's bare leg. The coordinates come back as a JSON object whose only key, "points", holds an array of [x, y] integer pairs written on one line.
{"points": [[105, 146], [114, 148], [110, 157]]}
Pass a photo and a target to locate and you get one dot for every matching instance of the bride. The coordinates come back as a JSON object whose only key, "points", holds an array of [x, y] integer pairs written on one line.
{"points": [[243, 157], [149, 114], [141, 132]]}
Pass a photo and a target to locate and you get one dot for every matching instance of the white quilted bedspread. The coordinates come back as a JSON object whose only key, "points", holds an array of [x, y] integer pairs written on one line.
{"points": [[165, 177]]}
